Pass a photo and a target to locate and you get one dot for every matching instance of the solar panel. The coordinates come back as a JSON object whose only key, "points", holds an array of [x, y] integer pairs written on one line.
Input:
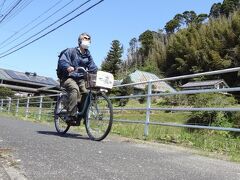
{"points": [[36, 79]]}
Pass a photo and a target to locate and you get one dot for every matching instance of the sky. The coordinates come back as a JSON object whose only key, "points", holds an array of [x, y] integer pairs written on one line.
{"points": [[110, 20]]}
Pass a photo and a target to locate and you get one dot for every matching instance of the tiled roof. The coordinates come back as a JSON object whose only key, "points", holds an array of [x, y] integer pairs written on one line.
{"points": [[141, 76], [204, 83]]}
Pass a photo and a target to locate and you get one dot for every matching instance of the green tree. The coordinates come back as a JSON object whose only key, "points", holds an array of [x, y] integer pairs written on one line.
{"points": [[133, 53], [212, 46], [200, 19], [172, 25], [189, 17], [146, 40], [6, 92], [157, 57], [113, 61], [229, 6], [125, 91], [215, 11]]}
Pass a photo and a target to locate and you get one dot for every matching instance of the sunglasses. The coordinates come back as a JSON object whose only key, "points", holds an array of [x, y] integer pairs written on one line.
{"points": [[87, 38]]}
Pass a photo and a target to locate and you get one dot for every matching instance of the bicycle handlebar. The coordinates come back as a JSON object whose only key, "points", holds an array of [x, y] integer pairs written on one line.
{"points": [[80, 68], [78, 72]]}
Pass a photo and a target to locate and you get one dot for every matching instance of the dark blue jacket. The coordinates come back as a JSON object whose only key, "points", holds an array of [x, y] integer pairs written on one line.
{"points": [[73, 57]]}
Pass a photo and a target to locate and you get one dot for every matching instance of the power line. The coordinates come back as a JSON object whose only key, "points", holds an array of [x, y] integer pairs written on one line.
{"points": [[17, 10], [2, 6], [53, 29], [10, 11], [10, 6], [47, 26], [3, 43]]}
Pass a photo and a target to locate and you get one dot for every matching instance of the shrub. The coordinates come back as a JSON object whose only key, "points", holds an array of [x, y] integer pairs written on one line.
{"points": [[6, 92], [211, 117], [125, 91]]}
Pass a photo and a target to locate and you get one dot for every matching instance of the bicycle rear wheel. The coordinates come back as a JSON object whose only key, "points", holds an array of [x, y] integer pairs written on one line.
{"points": [[99, 117], [60, 114]]}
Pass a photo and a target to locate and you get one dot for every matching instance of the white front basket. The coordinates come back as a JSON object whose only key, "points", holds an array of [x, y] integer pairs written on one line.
{"points": [[104, 80]]}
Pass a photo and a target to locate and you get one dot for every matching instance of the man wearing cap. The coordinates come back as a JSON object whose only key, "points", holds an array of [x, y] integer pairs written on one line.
{"points": [[74, 82]]}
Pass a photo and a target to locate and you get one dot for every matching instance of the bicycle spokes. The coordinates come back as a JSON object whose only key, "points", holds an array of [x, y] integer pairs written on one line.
{"points": [[99, 117]]}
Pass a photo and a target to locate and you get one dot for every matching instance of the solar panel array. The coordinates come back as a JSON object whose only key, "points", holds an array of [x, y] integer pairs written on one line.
{"points": [[31, 78]]}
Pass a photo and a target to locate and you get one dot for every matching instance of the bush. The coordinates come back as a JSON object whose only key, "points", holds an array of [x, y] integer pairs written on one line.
{"points": [[6, 92], [211, 117], [175, 100], [125, 91]]}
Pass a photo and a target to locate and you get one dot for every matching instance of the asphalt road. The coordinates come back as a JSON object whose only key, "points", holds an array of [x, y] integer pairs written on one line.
{"points": [[45, 155]]}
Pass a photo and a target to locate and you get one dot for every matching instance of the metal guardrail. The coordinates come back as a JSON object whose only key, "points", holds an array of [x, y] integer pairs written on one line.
{"points": [[39, 103]]}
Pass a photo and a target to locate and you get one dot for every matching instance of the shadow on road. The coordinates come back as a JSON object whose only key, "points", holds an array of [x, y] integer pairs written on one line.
{"points": [[67, 135]]}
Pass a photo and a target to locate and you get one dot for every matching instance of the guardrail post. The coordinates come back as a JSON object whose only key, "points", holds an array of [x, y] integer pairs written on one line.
{"points": [[148, 108], [1, 105], [27, 108], [17, 107], [9, 104], [40, 108]]}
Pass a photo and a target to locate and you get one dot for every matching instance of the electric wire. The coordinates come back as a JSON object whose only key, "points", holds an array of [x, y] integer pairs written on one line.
{"points": [[54, 29], [17, 10], [47, 27], [19, 1], [8, 8], [6, 43], [2, 6], [11, 36]]}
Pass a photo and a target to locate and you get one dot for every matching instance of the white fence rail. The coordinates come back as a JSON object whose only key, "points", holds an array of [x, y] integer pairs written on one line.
{"points": [[38, 107]]}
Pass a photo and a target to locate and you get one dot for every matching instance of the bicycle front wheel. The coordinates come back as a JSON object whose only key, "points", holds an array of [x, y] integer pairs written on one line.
{"points": [[99, 117]]}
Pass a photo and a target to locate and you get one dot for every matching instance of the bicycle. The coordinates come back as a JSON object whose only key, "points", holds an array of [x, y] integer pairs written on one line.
{"points": [[96, 109]]}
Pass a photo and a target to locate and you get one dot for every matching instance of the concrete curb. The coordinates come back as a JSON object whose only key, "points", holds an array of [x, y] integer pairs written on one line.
{"points": [[3, 174], [11, 173], [8, 167]]}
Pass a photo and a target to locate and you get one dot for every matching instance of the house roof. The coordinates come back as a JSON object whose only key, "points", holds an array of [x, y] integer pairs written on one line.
{"points": [[27, 78], [204, 83], [141, 76]]}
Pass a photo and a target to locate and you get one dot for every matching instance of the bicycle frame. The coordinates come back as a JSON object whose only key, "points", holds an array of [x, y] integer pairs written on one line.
{"points": [[85, 104]]}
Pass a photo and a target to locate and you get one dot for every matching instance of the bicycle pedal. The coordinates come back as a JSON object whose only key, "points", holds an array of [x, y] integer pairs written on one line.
{"points": [[74, 123]]}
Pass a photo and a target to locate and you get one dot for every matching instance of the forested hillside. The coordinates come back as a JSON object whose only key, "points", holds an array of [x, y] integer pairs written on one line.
{"points": [[189, 43]]}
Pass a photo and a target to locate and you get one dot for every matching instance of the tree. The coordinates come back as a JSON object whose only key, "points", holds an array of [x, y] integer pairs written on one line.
{"points": [[113, 61], [172, 25], [212, 46], [229, 6], [200, 19], [133, 52], [157, 56], [215, 11], [6, 92], [189, 17], [146, 40], [125, 91]]}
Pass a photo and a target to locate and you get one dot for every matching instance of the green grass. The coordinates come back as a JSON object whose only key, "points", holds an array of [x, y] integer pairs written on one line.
{"points": [[222, 144]]}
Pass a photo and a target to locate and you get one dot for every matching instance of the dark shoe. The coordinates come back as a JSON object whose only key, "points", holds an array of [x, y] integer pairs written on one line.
{"points": [[71, 119]]}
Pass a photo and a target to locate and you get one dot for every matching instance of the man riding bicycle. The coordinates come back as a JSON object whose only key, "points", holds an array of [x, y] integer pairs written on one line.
{"points": [[72, 81]]}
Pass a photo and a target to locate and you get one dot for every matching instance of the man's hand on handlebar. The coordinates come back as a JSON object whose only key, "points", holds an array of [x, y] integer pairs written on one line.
{"points": [[76, 73], [70, 69]]}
